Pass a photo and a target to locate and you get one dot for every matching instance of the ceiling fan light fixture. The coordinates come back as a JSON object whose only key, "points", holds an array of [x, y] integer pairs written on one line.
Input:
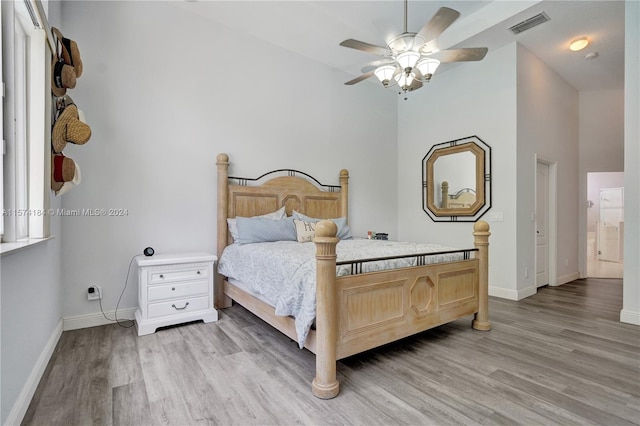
{"points": [[408, 59], [405, 60], [404, 80], [385, 73], [428, 67], [578, 44]]}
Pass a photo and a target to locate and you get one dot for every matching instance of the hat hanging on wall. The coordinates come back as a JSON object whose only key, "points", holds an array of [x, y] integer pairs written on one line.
{"points": [[69, 128], [70, 53], [63, 169], [72, 183], [63, 77]]}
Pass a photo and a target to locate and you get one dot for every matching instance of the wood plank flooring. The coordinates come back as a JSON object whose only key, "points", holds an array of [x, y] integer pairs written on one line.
{"points": [[558, 357]]}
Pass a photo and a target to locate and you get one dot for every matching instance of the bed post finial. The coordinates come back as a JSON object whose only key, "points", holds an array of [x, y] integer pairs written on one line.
{"points": [[222, 162], [325, 385], [481, 241], [445, 195]]}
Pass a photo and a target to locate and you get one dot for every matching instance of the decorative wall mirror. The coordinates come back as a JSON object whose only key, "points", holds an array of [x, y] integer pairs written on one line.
{"points": [[456, 179]]}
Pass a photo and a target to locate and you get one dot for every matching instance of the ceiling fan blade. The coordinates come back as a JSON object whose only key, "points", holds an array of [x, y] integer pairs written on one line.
{"points": [[365, 47], [440, 22], [360, 78], [375, 64], [461, 55]]}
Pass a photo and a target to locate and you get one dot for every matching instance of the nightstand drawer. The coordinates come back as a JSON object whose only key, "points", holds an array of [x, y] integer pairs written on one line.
{"points": [[163, 276], [173, 291], [181, 306]]}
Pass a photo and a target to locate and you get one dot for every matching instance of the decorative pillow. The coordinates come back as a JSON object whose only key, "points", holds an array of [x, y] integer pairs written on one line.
{"points": [[263, 229], [281, 213], [305, 231], [344, 233]]}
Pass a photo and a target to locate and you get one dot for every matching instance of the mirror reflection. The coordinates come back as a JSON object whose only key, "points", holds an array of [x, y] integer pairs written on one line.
{"points": [[454, 179], [457, 180]]}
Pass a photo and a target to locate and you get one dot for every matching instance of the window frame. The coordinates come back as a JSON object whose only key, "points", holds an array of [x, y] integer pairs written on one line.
{"points": [[27, 101]]}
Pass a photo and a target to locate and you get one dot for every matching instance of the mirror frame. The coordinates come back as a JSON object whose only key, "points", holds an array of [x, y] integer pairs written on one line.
{"points": [[482, 152]]}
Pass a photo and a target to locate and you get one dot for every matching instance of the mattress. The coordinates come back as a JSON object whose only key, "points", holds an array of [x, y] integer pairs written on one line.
{"points": [[283, 273]]}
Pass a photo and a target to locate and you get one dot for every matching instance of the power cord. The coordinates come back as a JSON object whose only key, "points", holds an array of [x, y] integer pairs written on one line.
{"points": [[116, 320]]}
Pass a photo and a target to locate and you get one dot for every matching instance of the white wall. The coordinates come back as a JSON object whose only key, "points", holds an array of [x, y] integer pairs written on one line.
{"points": [[465, 100], [31, 314], [631, 283], [548, 131], [165, 92]]}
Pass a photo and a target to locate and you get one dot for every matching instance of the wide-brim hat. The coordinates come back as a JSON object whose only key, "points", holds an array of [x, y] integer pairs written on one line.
{"points": [[69, 128], [63, 169], [73, 182], [70, 53], [63, 77]]}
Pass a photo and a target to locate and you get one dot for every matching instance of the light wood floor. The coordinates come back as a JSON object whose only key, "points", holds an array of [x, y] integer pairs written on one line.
{"points": [[558, 357]]}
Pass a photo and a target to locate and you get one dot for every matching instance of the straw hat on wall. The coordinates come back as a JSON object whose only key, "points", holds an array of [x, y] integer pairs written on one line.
{"points": [[69, 128], [70, 53]]}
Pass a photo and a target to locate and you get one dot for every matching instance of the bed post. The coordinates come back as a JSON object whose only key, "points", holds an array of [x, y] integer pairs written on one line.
{"points": [[344, 193], [325, 385], [481, 241], [222, 162], [445, 195]]}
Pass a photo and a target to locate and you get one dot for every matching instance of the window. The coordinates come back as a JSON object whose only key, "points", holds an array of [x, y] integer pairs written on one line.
{"points": [[26, 138]]}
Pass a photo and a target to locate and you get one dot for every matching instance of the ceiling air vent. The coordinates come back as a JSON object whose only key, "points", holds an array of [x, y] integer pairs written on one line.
{"points": [[529, 23]]}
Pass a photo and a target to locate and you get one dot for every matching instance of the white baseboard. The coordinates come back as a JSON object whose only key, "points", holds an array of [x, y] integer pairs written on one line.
{"points": [[21, 405], [509, 294], [94, 320], [630, 317], [563, 279]]}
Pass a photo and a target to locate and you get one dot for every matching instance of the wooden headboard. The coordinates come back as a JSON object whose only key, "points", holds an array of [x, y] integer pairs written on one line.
{"points": [[267, 193]]}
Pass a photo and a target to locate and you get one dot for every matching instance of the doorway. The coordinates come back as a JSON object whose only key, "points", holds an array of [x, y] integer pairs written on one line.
{"points": [[605, 224], [542, 224], [546, 223]]}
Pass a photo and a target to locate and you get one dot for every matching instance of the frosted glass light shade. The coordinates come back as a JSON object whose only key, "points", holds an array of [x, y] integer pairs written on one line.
{"points": [[385, 73], [408, 59], [579, 44], [404, 80], [428, 66]]}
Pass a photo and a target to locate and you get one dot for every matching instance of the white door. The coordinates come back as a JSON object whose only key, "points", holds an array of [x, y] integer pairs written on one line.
{"points": [[542, 224]]}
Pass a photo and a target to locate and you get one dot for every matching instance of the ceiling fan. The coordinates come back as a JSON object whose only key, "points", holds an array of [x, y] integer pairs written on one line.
{"points": [[411, 59]]}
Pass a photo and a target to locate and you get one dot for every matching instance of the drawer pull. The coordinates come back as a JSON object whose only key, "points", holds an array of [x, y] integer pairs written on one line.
{"points": [[173, 289], [179, 309], [198, 272], [161, 276]]}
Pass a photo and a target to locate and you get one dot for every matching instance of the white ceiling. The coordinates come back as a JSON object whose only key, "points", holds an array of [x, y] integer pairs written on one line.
{"points": [[315, 28]]}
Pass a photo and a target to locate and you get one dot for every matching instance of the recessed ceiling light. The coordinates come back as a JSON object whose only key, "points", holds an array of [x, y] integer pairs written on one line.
{"points": [[578, 44], [591, 55]]}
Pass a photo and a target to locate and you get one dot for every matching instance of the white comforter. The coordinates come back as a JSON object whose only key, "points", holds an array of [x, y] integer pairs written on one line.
{"points": [[283, 273]]}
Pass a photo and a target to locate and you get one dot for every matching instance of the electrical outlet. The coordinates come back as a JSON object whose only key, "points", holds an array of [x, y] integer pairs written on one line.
{"points": [[94, 292]]}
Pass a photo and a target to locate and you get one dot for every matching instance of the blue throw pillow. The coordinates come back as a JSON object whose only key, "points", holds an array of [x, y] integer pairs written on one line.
{"points": [[262, 230]]}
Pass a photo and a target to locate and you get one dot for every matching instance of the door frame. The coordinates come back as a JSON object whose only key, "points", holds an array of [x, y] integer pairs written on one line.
{"points": [[552, 205]]}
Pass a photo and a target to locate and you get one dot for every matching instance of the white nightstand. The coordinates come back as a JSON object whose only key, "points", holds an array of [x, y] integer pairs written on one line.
{"points": [[174, 288]]}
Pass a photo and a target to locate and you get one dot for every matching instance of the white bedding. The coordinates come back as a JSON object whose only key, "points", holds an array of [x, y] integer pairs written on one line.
{"points": [[283, 273]]}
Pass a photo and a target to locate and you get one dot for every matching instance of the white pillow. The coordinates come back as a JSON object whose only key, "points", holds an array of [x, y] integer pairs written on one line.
{"points": [[344, 233], [305, 231], [281, 213]]}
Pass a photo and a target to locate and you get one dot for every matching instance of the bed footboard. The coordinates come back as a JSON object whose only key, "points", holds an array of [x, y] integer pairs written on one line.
{"points": [[359, 312]]}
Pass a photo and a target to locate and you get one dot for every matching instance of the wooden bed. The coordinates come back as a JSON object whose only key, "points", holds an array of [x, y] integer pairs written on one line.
{"points": [[357, 312], [463, 199]]}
